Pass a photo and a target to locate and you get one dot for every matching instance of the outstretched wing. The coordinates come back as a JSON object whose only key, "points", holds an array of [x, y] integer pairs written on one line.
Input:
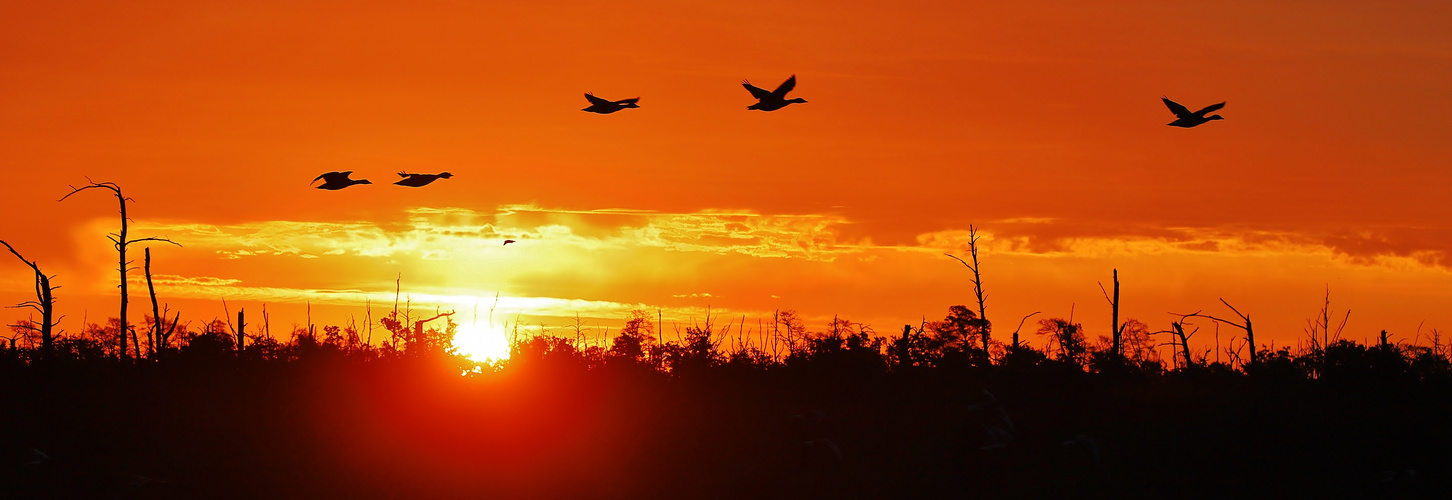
{"points": [[1210, 108], [757, 92], [332, 177], [786, 86], [1176, 108], [596, 100]]}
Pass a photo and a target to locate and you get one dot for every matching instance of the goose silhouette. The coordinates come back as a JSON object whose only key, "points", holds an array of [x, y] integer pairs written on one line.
{"points": [[1184, 118], [420, 180], [334, 181], [773, 100], [606, 106]]}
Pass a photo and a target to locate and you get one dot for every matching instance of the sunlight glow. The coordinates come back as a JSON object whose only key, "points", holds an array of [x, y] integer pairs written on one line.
{"points": [[481, 343]]}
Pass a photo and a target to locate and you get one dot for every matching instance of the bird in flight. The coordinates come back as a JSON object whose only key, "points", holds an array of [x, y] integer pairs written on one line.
{"points": [[506, 242], [1184, 118], [606, 106], [420, 180], [334, 181], [773, 100]]}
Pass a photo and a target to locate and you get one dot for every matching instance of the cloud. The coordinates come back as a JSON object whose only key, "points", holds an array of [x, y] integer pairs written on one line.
{"points": [[1386, 246], [442, 233]]}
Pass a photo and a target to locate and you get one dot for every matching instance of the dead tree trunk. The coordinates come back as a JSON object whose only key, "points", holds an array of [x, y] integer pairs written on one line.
{"points": [[1245, 325], [421, 342], [241, 335], [44, 303], [1116, 330], [1114, 320], [153, 336], [1020, 327], [120, 241], [1184, 342], [985, 327], [135, 344]]}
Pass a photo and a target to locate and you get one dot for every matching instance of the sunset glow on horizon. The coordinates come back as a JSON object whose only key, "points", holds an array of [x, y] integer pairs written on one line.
{"points": [[482, 343], [1039, 124]]}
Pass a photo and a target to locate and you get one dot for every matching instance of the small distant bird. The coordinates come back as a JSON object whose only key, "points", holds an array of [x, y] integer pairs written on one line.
{"points": [[774, 100], [420, 180], [605, 106], [506, 242], [1184, 118], [334, 181]]}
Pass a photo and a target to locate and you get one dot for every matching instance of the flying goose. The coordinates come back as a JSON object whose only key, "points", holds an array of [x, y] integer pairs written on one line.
{"points": [[774, 100], [606, 106], [420, 180], [334, 181], [1184, 118]]}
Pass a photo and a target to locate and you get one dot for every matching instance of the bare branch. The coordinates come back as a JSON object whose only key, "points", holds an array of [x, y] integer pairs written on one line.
{"points": [[161, 239], [1021, 322], [1232, 308], [965, 263]]}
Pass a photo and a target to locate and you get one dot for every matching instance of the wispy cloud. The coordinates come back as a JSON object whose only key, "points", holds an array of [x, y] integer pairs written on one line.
{"points": [[446, 233], [439, 233], [1401, 247]]}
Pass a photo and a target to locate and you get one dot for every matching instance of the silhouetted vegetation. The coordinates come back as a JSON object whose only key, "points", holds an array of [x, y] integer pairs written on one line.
{"points": [[729, 410]]}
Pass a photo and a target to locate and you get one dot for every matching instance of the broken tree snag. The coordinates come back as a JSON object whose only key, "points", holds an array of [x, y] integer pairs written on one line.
{"points": [[1116, 330], [1244, 325], [153, 336], [984, 326], [120, 241], [44, 303], [241, 336], [421, 342]]}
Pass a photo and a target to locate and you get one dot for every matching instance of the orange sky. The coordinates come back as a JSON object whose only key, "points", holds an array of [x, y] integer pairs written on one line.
{"points": [[1039, 122]]}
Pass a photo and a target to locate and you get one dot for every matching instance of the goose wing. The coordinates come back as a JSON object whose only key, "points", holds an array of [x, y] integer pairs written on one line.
{"points": [[596, 100], [757, 92], [333, 177], [1176, 108], [1210, 108], [786, 86]]}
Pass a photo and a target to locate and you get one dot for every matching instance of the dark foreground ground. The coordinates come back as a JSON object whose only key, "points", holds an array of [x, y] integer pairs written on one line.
{"points": [[334, 429]]}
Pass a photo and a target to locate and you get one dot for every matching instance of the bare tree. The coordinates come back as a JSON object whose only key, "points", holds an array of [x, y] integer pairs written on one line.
{"points": [[985, 326], [159, 334], [421, 342], [1243, 325], [120, 241], [1115, 328], [1177, 328], [44, 303], [1020, 327]]}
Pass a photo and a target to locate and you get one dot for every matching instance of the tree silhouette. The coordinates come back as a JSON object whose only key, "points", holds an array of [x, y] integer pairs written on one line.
{"points": [[986, 326], [1244, 324], [1068, 336], [634, 336], [44, 304], [1116, 345], [120, 241]]}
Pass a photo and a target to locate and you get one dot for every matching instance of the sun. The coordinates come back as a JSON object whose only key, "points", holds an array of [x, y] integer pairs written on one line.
{"points": [[481, 343]]}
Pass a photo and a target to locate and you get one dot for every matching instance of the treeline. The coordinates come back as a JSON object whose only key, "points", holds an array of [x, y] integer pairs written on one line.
{"points": [[780, 411], [959, 341]]}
